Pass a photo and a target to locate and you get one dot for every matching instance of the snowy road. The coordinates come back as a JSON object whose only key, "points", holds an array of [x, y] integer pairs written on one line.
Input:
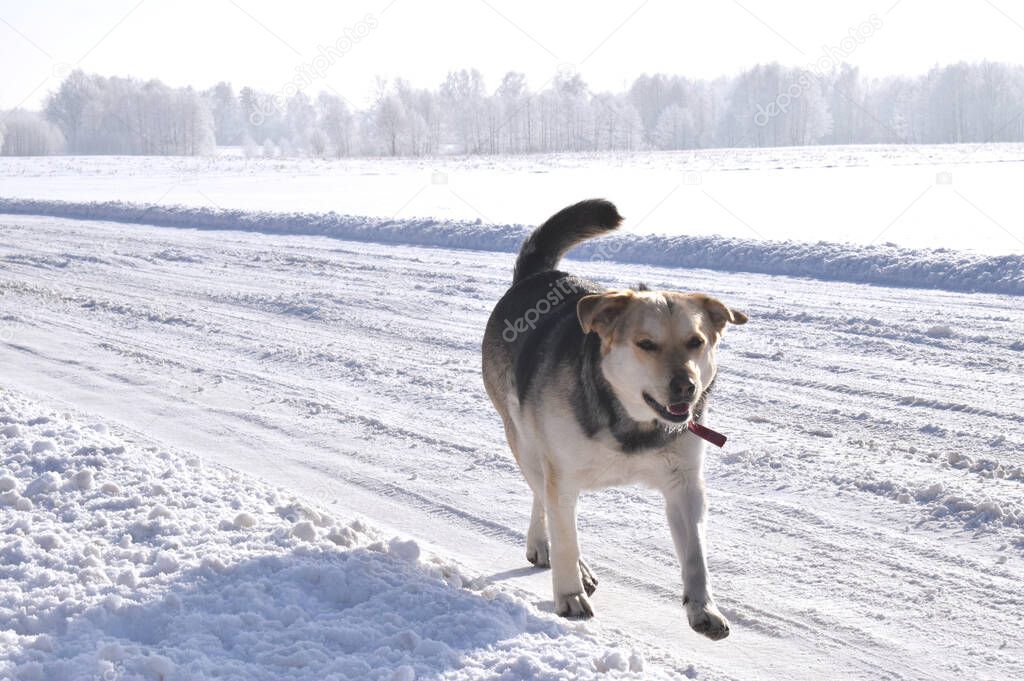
{"points": [[867, 516]]}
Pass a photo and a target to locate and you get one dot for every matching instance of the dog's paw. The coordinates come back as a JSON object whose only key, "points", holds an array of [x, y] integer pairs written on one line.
{"points": [[538, 552], [589, 580], [575, 606], [707, 620]]}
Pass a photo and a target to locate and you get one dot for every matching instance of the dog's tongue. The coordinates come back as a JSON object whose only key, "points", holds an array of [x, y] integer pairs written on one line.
{"points": [[703, 432], [680, 409]]}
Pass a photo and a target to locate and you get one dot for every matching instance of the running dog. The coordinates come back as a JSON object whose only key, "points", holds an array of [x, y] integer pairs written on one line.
{"points": [[598, 388]]}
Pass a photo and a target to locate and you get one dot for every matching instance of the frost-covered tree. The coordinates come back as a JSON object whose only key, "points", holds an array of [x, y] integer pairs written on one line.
{"points": [[249, 111], [300, 120], [616, 123], [513, 114], [28, 133], [572, 117], [847, 106], [462, 96], [286, 148], [674, 129], [388, 118], [765, 105], [249, 147], [419, 124], [68, 106], [334, 118], [227, 115], [318, 142], [100, 115]]}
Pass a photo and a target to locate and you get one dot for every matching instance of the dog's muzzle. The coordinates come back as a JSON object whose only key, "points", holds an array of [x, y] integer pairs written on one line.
{"points": [[677, 412]]}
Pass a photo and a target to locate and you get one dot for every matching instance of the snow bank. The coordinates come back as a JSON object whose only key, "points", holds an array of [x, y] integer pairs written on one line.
{"points": [[886, 265], [122, 563]]}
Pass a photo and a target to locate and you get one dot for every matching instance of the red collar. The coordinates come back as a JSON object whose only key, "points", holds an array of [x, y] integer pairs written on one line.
{"points": [[706, 433]]}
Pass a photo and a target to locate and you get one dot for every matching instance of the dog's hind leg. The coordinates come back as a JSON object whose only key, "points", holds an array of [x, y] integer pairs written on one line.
{"points": [[538, 547], [588, 578], [537, 544], [566, 576]]}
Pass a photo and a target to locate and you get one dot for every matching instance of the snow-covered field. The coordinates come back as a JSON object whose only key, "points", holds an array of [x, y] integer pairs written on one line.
{"points": [[866, 520], [946, 196]]}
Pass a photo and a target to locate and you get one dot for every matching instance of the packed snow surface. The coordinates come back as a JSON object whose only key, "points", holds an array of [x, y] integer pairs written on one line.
{"points": [[120, 561], [866, 518]]}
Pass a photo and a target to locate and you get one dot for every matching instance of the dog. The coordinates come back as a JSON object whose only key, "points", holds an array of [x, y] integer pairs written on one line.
{"points": [[599, 388]]}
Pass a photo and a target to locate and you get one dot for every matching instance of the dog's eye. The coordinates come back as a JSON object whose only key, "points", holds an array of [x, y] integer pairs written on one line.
{"points": [[695, 342], [647, 344]]}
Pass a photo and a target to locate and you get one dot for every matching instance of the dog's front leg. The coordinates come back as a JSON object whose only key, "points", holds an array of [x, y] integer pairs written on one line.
{"points": [[685, 506], [570, 599]]}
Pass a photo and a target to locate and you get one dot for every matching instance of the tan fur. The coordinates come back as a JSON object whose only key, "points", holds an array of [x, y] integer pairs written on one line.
{"points": [[670, 320], [559, 460]]}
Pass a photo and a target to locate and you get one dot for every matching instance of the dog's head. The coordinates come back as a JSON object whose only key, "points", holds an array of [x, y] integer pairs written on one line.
{"points": [[657, 347]]}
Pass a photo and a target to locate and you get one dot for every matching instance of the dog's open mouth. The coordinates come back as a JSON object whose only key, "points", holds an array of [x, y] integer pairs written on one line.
{"points": [[676, 413]]}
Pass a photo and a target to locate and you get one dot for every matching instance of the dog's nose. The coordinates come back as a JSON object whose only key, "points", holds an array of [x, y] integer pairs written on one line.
{"points": [[681, 387]]}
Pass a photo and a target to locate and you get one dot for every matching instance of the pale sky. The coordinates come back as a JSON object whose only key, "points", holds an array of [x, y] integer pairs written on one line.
{"points": [[262, 42]]}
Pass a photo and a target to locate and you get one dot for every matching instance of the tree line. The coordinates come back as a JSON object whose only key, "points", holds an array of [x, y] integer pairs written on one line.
{"points": [[767, 105]]}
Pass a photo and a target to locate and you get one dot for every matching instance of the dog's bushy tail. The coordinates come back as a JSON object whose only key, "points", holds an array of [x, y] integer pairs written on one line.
{"points": [[548, 243]]}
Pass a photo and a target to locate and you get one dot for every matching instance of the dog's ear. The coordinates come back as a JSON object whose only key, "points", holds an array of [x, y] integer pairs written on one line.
{"points": [[719, 313], [599, 312]]}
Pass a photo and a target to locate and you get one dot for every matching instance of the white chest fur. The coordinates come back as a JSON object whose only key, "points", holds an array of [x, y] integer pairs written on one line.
{"points": [[594, 463]]}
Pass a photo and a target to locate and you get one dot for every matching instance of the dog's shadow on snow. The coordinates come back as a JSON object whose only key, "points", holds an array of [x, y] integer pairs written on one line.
{"points": [[311, 613], [514, 573], [527, 571]]}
